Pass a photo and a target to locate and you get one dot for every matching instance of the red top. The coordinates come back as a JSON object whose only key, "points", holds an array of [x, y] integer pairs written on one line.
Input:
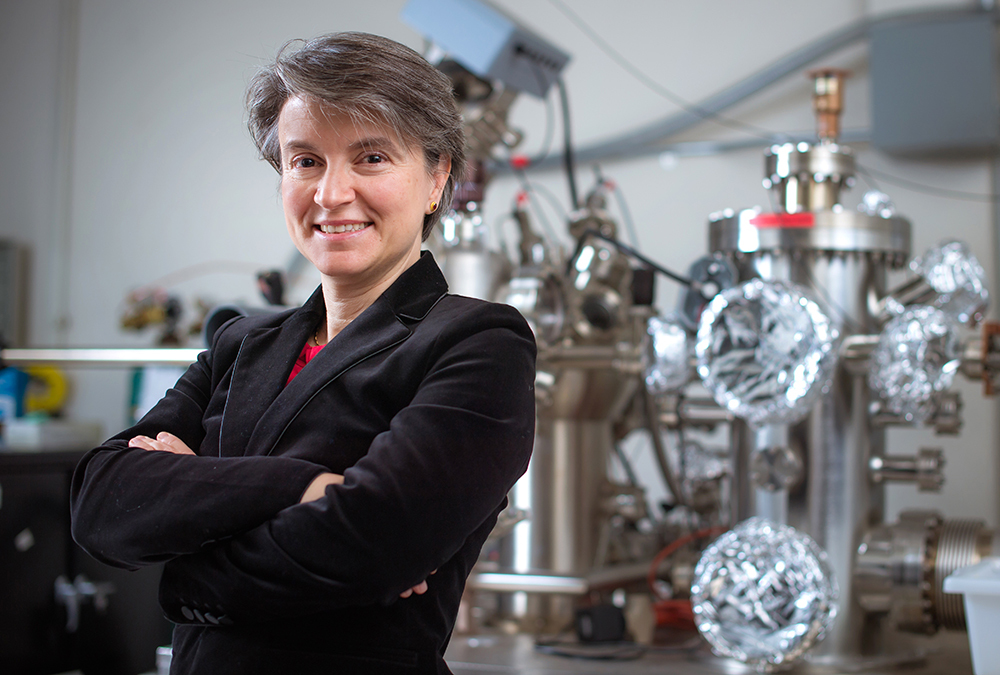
{"points": [[305, 357]]}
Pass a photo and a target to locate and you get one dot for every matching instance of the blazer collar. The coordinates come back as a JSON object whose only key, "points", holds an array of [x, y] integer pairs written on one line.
{"points": [[260, 406]]}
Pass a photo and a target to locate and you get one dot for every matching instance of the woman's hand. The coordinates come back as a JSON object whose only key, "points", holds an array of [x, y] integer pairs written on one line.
{"points": [[419, 589], [317, 488], [164, 442]]}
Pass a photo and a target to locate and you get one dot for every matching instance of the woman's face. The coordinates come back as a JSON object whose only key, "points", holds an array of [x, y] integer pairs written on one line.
{"points": [[354, 196]]}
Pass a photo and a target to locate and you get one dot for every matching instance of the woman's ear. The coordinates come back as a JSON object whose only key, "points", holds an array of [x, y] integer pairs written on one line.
{"points": [[441, 173]]}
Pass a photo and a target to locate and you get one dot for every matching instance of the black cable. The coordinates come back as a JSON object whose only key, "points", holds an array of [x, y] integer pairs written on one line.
{"points": [[550, 119], [633, 233], [568, 145], [628, 250], [655, 86], [597, 651]]}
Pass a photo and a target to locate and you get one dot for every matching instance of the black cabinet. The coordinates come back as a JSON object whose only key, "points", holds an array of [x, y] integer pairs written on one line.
{"points": [[118, 637]]}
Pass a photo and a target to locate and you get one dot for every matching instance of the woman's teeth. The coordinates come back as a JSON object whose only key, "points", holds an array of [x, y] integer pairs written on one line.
{"points": [[338, 229]]}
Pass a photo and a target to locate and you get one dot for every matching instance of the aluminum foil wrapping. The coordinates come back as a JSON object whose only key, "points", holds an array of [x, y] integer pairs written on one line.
{"points": [[916, 358], [765, 350], [670, 348], [763, 594], [960, 281]]}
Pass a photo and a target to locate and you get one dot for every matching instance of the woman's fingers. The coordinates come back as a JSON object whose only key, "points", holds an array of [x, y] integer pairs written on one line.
{"points": [[164, 442], [419, 589], [173, 444], [143, 442]]}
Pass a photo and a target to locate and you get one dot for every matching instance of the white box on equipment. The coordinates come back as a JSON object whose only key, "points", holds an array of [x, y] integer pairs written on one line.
{"points": [[980, 584]]}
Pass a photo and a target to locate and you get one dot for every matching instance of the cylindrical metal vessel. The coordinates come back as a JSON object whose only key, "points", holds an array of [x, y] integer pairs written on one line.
{"points": [[841, 258]]}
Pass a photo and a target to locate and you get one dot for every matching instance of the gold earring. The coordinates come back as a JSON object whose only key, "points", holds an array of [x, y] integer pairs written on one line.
{"points": [[434, 207]]}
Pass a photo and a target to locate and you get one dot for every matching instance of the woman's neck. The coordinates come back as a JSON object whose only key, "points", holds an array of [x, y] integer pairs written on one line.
{"points": [[344, 304]]}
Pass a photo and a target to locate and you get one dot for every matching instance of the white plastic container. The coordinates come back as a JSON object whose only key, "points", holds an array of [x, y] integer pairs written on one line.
{"points": [[980, 584]]}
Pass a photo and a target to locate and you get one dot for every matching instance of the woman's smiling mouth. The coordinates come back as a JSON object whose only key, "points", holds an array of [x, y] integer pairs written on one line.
{"points": [[339, 229]]}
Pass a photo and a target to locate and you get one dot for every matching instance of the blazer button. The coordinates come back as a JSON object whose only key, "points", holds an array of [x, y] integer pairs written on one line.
{"points": [[211, 619], [188, 614], [197, 615]]}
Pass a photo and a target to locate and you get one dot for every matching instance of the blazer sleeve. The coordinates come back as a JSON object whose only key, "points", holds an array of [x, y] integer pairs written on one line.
{"points": [[437, 474], [131, 507]]}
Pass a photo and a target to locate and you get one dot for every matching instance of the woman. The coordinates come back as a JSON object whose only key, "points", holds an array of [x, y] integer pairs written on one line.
{"points": [[319, 484]]}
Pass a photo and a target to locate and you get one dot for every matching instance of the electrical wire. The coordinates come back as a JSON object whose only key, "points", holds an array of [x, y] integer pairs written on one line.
{"points": [[931, 190], [597, 651], [550, 119], [200, 270], [628, 250], [568, 161], [530, 188], [633, 233], [655, 86], [540, 189]]}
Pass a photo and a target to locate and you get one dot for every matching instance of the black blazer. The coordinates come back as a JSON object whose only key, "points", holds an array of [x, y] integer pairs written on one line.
{"points": [[424, 403]]}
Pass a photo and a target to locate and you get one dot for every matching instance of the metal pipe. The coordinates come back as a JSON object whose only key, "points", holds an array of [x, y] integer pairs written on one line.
{"points": [[592, 358], [531, 583], [645, 139], [99, 357], [558, 584]]}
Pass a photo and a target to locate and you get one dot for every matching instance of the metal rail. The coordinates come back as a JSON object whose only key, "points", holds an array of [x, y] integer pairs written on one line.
{"points": [[99, 357]]}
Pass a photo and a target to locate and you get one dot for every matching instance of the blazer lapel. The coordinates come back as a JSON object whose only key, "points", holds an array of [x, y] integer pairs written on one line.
{"points": [[262, 365], [383, 325]]}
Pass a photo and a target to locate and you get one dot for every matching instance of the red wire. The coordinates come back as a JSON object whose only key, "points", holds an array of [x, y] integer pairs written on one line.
{"points": [[672, 548], [671, 611]]}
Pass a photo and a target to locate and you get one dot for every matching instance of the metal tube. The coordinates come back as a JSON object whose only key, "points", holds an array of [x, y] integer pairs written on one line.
{"points": [[531, 583], [99, 357]]}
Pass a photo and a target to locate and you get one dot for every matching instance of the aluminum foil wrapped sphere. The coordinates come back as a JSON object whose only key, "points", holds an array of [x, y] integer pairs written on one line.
{"points": [[960, 281], [765, 350], [670, 348], [916, 357], [763, 594]]}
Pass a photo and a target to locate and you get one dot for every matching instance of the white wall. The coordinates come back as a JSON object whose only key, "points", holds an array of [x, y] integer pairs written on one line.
{"points": [[160, 174]]}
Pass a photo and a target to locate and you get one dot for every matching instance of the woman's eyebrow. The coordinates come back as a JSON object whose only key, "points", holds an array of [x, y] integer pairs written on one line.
{"points": [[373, 142], [295, 144]]}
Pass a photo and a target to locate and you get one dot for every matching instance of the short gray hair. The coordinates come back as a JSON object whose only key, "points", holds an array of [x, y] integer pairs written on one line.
{"points": [[368, 77]]}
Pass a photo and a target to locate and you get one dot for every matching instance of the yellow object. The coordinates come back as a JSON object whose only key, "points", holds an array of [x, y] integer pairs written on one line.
{"points": [[47, 390]]}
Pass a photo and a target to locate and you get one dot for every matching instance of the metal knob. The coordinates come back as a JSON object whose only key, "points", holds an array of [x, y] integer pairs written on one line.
{"points": [[926, 469]]}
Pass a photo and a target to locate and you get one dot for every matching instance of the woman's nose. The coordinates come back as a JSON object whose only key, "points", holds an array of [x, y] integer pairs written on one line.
{"points": [[334, 188]]}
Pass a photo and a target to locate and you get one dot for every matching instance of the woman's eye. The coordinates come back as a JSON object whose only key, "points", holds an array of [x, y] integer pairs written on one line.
{"points": [[374, 158], [306, 162]]}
